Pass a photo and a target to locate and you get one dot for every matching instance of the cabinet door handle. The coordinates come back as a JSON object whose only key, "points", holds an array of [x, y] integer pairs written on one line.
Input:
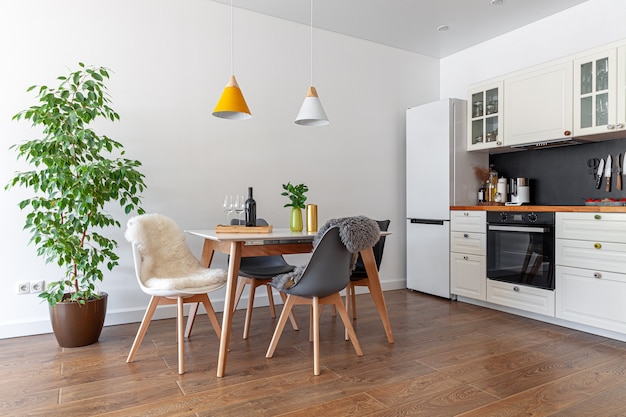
{"points": [[466, 257], [465, 235], [597, 217], [597, 245], [597, 275], [516, 289], [466, 214]]}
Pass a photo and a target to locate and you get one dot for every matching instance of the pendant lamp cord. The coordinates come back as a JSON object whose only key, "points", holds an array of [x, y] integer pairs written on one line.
{"points": [[311, 40], [232, 60]]}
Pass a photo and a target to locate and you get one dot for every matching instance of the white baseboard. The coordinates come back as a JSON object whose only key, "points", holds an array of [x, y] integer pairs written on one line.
{"points": [[134, 315]]}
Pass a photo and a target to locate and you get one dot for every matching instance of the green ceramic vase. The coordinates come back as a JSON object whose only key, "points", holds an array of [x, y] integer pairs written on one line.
{"points": [[296, 220]]}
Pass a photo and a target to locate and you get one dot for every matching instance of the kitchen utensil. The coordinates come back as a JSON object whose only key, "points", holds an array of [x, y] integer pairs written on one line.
{"points": [[623, 160], [620, 162], [599, 173], [608, 171]]}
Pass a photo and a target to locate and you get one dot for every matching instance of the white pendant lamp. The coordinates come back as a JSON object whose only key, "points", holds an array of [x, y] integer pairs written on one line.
{"points": [[231, 104], [312, 113]]}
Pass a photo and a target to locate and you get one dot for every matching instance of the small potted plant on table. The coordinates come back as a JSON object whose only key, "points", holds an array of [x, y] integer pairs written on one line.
{"points": [[296, 196]]}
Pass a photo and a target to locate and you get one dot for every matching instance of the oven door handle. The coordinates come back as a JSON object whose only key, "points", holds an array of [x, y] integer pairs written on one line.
{"points": [[518, 229]]}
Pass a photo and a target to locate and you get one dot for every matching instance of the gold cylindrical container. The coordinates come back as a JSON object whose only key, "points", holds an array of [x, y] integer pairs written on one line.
{"points": [[311, 217]]}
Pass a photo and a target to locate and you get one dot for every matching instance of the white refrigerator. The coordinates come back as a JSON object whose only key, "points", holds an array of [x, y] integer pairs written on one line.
{"points": [[439, 174]]}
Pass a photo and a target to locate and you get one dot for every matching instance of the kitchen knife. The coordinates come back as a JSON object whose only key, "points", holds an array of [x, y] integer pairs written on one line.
{"points": [[623, 161], [607, 173], [620, 168], [599, 173]]}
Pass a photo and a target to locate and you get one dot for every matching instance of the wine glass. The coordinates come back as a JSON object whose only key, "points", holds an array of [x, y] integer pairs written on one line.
{"points": [[240, 203], [228, 206]]}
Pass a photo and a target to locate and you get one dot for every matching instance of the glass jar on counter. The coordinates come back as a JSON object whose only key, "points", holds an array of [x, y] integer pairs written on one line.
{"points": [[492, 184], [482, 192]]}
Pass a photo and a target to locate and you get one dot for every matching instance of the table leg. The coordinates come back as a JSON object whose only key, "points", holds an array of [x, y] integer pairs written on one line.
{"points": [[229, 301], [206, 257], [376, 290]]}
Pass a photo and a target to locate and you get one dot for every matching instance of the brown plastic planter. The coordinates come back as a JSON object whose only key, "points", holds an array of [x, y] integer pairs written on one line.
{"points": [[75, 324]]}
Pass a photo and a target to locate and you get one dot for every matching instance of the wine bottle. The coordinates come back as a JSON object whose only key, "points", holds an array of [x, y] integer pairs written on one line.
{"points": [[250, 209]]}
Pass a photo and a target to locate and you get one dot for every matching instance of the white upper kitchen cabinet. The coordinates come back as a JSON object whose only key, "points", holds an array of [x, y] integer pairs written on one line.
{"points": [[485, 116], [595, 93], [539, 105]]}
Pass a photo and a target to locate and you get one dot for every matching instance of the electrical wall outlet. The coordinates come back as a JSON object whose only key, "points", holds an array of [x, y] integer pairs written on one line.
{"points": [[37, 286], [23, 287], [30, 287]]}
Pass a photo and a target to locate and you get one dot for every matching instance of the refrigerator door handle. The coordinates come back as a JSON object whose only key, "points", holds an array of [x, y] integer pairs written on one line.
{"points": [[426, 221]]}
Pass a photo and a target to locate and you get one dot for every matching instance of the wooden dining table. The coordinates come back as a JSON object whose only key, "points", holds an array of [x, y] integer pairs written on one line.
{"points": [[276, 242]]}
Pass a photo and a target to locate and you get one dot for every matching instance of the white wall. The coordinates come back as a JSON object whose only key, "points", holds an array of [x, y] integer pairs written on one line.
{"points": [[590, 24], [170, 62]]}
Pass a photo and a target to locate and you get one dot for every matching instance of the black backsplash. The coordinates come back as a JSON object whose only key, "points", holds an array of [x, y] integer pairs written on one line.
{"points": [[561, 176]]}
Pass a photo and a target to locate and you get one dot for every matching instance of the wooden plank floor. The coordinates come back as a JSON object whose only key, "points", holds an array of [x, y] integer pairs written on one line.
{"points": [[449, 359]]}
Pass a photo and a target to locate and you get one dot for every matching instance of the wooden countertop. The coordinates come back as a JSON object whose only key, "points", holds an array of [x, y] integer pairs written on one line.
{"points": [[581, 209]]}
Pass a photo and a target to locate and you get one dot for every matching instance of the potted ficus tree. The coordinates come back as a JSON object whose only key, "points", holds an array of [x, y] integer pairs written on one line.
{"points": [[296, 196], [75, 174]]}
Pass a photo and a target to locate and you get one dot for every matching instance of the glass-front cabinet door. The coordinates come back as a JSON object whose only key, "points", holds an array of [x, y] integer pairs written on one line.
{"points": [[595, 93], [485, 116], [621, 88]]}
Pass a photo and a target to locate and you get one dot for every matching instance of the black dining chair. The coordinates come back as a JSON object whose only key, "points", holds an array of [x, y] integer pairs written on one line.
{"points": [[257, 271], [326, 273]]}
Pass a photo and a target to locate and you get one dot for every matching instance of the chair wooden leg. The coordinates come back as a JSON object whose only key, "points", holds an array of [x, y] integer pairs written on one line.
{"points": [[246, 325], [352, 290], [180, 334], [212, 317], [316, 335], [270, 299], [143, 327], [280, 326], [193, 310], [241, 284], [348, 303], [292, 317], [336, 300], [311, 323]]}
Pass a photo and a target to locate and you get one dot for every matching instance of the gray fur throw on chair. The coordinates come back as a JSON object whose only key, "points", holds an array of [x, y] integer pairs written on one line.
{"points": [[356, 233]]}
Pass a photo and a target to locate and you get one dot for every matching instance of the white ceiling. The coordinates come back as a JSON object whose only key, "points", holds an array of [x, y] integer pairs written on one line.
{"points": [[412, 24]]}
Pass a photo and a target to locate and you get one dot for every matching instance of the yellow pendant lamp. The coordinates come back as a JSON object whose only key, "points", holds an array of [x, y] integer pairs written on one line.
{"points": [[311, 112], [231, 104]]}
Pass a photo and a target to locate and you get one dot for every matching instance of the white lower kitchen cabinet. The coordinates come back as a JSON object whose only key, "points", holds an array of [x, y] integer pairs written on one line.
{"points": [[593, 298], [591, 269], [593, 255], [467, 275], [534, 300], [468, 248]]}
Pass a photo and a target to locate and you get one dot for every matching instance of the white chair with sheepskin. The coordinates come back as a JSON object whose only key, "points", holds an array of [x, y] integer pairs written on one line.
{"points": [[168, 272]]}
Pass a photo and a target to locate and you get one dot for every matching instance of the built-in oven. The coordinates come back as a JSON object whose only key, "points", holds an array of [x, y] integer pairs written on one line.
{"points": [[520, 248]]}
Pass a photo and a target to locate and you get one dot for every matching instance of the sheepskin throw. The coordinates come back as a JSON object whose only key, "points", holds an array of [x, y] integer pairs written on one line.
{"points": [[167, 262], [356, 233]]}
